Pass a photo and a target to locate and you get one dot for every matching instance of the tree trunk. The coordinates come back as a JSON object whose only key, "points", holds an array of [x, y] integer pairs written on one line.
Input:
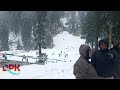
{"points": [[110, 35], [96, 42], [92, 45], [40, 51], [39, 32], [40, 44]]}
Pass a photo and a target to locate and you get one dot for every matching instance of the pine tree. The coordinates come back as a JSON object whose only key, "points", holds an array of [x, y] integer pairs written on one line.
{"points": [[92, 26], [40, 30], [4, 31]]}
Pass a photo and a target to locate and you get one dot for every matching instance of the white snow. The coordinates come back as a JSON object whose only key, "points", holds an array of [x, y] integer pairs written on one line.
{"points": [[13, 40], [65, 45], [64, 21]]}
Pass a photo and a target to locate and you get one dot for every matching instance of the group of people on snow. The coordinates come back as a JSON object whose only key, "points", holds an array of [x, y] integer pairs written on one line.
{"points": [[104, 64]]}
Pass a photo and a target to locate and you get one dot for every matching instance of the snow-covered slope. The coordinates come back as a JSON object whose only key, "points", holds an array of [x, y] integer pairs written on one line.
{"points": [[65, 40]]}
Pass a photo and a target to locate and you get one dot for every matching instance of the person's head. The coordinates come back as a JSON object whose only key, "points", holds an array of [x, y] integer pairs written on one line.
{"points": [[103, 44], [117, 44], [85, 51]]}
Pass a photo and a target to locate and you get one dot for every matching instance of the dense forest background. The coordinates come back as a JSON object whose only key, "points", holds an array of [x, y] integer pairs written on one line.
{"points": [[32, 30]]}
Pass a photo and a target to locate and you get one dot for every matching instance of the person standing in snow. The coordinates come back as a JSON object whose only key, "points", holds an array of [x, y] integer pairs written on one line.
{"points": [[83, 68], [103, 61], [5, 56], [116, 51]]}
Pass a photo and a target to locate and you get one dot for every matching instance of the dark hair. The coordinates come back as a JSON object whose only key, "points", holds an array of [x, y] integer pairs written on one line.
{"points": [[105, 41], [116, 47], [118, 44]]}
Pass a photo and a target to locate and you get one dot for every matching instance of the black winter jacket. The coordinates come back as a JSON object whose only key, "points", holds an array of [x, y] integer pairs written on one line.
{"points": [[103, 63]]}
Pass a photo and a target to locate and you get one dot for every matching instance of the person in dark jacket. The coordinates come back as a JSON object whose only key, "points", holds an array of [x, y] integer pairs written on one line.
{"points": [[116, 51], [103, 61], [83, 68]]}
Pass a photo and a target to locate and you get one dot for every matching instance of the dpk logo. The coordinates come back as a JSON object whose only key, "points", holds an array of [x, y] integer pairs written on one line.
{"points": [[9, 67]]}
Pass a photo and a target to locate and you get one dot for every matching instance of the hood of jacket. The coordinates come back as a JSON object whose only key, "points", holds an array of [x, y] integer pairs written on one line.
{"points": [[83, 50]]}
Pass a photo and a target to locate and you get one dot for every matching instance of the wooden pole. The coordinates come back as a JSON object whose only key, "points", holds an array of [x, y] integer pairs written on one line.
{"points": [[110, 37], [110, 34]]}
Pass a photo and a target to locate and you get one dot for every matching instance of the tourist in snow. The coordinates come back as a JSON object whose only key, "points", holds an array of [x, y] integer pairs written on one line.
{"points": [[116, 51], [103, 61], [5, 56], [83, 68]]}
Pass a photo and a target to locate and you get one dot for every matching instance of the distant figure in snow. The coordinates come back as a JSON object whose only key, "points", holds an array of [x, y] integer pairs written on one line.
{"points": [[5, 56], [53, 53], [37, 53], [59, 54], [66, 55], [25, 58], [83, 68]]}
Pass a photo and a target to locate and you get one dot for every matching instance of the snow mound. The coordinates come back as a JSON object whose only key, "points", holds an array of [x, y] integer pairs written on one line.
{"points": [[65, 40]]}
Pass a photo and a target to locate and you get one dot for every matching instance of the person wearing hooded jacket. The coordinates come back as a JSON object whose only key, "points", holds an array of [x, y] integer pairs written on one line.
{"points": [[83, 68], [103, 61], [116, 52]]}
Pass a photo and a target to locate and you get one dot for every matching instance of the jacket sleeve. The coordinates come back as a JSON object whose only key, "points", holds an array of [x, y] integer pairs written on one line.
{"points": [[100, 58], [93, 60], [118, 70], [79, 70]]}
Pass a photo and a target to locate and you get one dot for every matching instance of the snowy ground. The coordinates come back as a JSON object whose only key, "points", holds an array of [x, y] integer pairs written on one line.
{"points": [[66, 49]]}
